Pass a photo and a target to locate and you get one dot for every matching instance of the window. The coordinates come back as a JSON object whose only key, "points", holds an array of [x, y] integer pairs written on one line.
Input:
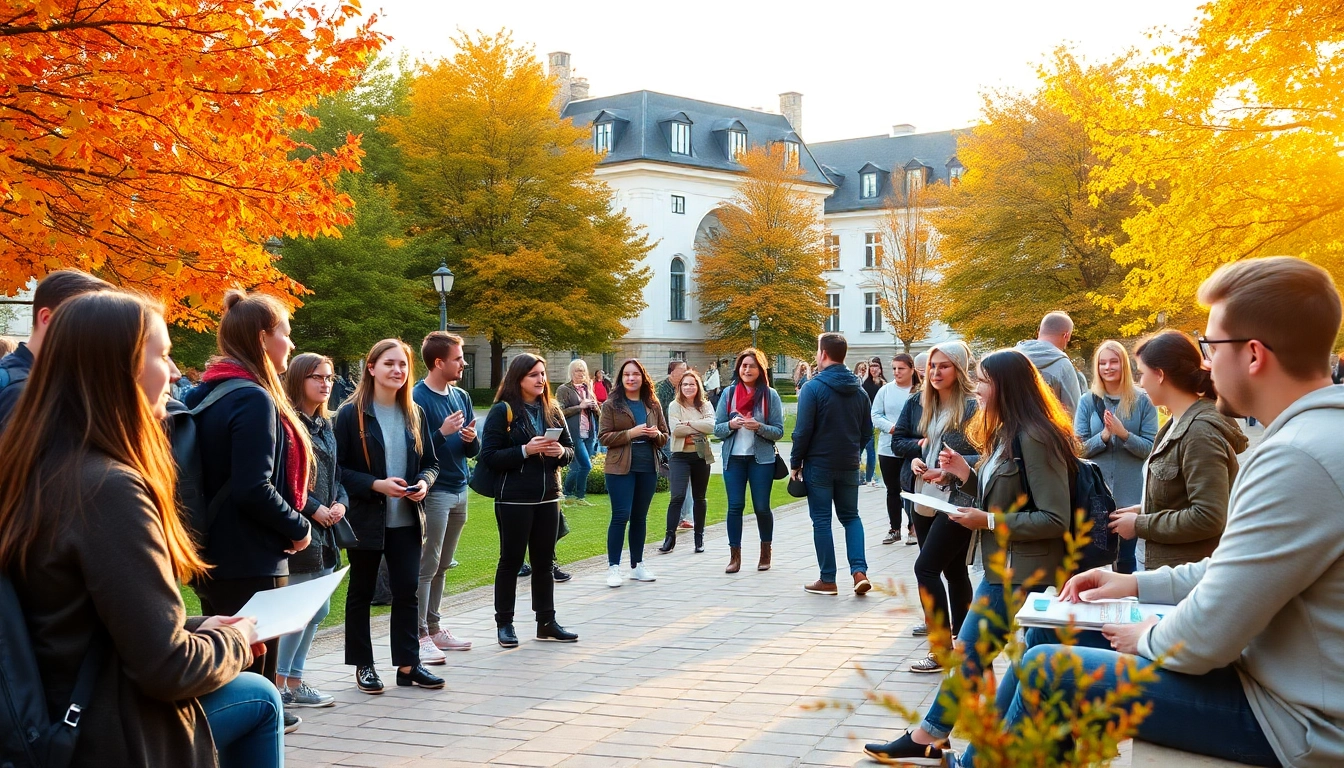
{"points": [[914, 180], [609, 363], [781, 362], [790, 154], [681, 138], [867, 185], [833, 319], [872, 249], [737, 144], [574, 355], [677, 355], [678, 204], [832, 251], [602, 138], [872, 313], [469, 375], [954, 173], [678, 289]]}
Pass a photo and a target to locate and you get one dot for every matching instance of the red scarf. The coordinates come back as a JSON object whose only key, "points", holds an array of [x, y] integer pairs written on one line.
{"points": [[742, 397], [296, 460]]}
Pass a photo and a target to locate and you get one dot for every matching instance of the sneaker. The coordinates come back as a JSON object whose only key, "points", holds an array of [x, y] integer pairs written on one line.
{"points": [[583, 502], [559, 576], [927, 665], [419, 676], [910, 538], [307, 696], [641, 573], [820, 587], [861, 583], [920, 630], [444, 641], [905, 751], [614, 577], [686, 525], [366, 677], [292, 722], [893, 536], [430, 653], [453, 564]]}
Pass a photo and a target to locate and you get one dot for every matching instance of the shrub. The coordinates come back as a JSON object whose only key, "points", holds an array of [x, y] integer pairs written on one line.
{"points": [[597, 479]]}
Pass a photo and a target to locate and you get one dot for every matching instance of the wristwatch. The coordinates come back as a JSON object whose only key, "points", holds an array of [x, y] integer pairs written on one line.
{"points": [[990, 518]]}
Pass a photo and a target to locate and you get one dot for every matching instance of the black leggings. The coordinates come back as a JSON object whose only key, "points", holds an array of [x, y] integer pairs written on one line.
{"points": [[687, 473], [891, 475], [401, 548], [942, 553], [524, 528]]}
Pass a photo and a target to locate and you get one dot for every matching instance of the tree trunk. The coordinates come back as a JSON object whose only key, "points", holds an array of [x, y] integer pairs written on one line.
{"points": [[496, 362], [906, 345]]}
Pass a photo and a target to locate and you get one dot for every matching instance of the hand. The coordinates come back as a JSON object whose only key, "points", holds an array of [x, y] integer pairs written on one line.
{"points": [[796, 474], [338, 512], [1115, 426], [752, 424], [1123, 523], [469, 433], [954, 464], [923, 441], [246, 626], [736, 422], [892, 431], [555, 450], [324, 517], [452, 424], [934, 477], [417, 492], [1125, 637], [970, 518], [1105, 435], [393, 487], [1099, 584], [918, 466], [649, 431], [536, 444]]}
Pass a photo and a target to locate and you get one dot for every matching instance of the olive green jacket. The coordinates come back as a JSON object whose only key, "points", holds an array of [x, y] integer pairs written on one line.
{"points": [[1035, 536], [1190, 474]]}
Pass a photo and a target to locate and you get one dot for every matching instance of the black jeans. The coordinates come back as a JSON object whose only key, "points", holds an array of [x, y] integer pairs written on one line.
{"points": [[891, 475], [687, 472], [524, 527], [942, 554], [225, 597], [401, 547]]}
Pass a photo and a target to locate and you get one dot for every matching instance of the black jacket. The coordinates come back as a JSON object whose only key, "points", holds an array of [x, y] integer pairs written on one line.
{"points": [[835, 421], [326, 491], [241, 442], [368, 508], [905, 440], [17, 364], [529, 480]]}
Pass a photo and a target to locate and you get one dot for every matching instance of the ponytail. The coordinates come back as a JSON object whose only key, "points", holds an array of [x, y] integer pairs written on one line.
{"points": [[1178, 357]]}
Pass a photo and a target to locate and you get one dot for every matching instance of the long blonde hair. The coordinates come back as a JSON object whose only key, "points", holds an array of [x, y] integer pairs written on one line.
{"points": [[363, 396], [1129, 393], [961, 394]]}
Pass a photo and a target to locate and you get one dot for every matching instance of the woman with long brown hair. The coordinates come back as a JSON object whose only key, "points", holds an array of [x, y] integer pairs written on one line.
{"points": [[633, 429], [256, 462], [526, 462], [749, 420], [1026, 442], [93, 543], [387, 465], [690, 418]]}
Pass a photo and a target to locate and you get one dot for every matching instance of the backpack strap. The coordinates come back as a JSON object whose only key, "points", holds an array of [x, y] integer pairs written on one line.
{"points": [[64, 733], [1022, 470], [227, 387], [362, 444]]}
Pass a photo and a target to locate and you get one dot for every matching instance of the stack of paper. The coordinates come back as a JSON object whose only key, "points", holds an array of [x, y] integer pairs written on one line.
{"points": [[1045, 609], [287, 610]]}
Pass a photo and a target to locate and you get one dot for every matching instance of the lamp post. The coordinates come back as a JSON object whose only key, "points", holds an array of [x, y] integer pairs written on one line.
{"points": [[754, 322], [443, 283]]}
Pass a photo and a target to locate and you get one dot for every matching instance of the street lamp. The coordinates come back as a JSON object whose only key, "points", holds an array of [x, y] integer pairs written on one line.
{"points": [[443, 283], [754, 322]]}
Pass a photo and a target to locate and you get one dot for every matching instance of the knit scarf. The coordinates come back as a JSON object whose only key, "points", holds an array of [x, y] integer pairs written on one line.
{"points": [[296, 461], [742, 397]]}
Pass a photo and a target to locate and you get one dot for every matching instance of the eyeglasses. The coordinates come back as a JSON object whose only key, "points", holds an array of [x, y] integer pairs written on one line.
{"points": [[320, 377], [1206, 345]]}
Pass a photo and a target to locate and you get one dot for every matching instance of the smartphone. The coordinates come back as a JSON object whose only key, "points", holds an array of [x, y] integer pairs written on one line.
{"points": [[554, 433]]}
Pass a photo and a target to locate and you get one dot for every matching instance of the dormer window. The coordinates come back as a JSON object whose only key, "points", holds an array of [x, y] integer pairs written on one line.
{"points": [[737, 145], [681, 138], [791, 154], [868, 185], [955, 170], [602, 138], [914, 180]]}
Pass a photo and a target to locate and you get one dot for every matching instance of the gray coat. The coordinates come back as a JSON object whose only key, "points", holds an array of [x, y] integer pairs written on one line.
{"points": [[772, 427], [1121, 461]]}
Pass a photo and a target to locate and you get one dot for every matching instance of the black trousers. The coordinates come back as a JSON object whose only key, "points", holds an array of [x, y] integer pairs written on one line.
{"points": [[524, 528], [891, 476], [687, 473], [225, 597], [401, 547], [942, 555]]}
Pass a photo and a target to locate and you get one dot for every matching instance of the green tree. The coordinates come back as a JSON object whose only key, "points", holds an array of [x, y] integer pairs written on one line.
{"points": [[500, 187], [765, 258]]}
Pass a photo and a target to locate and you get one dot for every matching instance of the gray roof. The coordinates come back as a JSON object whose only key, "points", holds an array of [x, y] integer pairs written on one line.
{"points": [[843, 160], [641, 130]]}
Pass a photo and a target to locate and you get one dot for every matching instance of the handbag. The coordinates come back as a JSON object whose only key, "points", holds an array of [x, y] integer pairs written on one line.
{"points": [[484, 480], [344, 533], [781, 468]]}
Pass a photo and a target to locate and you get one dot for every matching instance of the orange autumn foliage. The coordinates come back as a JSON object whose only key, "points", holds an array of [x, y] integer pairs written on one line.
{"points": [[149, 141]]}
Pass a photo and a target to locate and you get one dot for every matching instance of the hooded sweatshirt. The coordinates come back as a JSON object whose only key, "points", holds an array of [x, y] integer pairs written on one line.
{"points": [[1270, 599], [834, 421], [1056, 369]]}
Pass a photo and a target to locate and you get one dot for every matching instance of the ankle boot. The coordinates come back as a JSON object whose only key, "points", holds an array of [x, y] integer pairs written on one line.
{"points": [[764, 565], [700, 541], [669, 542], [734, 560]]}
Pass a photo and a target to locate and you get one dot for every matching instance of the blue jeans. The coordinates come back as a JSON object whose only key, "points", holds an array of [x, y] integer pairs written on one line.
{"points": [[630, 496], [841, 488], [1127, 562], [576, 482], [869, 461], [294, 648], [245, 722], [738, 473], [1205, 714]]}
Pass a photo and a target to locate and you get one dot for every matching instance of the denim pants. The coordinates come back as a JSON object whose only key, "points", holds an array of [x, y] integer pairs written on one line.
{"points": [[739, 473], [445, 517], [826, 487], [245, 721], [576, 482], [870, 460], [630, 496], [1204, 714], [1128, 560], [294, 648]]}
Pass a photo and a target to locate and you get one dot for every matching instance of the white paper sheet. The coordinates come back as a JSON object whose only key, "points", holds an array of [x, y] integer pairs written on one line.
{"points": [[289, 609], [1045, 609], [932, 502]]}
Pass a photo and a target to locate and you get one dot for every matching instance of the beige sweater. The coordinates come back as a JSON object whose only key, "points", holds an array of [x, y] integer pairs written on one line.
{"points": [[687, 422]]}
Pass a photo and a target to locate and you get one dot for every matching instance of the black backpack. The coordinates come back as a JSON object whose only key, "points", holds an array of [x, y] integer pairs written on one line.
{"points": [[12, 376], [28, 737], [200, 512], [1090, 494]]}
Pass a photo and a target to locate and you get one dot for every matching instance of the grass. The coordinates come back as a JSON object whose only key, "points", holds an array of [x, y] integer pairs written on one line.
{"points": [[478, 549]]}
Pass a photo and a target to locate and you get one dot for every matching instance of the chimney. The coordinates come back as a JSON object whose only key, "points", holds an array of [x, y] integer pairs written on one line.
{"points": [[791, 107], [578, 89], [902, 129], [559, 70]]}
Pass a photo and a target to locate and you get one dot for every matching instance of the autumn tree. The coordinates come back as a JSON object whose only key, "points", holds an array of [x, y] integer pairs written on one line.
{"points": [[501, 188], [1023, 233], [150, 142], [1230, 137], [908, 273], [765, 256]]}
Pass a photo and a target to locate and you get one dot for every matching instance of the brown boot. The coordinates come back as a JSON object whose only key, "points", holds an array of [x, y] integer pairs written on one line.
{"points": [[734, 560], [861, 583], [764, 565]]}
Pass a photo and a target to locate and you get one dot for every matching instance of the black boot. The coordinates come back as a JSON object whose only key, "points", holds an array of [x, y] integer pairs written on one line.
{"points": [[549, 631], [525, 571], [507, 638], [669, 542], [419, 677], [699, 541]]}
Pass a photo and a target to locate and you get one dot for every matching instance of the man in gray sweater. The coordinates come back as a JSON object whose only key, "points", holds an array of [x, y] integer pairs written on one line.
{"points": [[1252, 654]]}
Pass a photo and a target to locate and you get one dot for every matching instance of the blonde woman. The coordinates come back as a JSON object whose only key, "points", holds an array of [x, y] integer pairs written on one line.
{"points": [[578, 401], [691, 419], [387, 465], [1117, 423]]}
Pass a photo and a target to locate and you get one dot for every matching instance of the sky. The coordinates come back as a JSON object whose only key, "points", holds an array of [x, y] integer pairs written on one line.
{"points": [[861, 66]]}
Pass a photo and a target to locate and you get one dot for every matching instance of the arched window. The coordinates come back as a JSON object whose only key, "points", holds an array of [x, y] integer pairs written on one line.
{"points": [[678, 289]]}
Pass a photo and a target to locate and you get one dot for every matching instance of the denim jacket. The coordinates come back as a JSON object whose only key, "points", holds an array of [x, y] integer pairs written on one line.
{"points": [[772, 426]]}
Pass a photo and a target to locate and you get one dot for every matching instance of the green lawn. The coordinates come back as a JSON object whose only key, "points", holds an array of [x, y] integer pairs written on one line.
{"points": [[478, 550]]}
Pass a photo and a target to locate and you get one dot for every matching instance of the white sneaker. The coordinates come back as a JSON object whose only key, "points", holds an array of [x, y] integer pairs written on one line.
{"points": [[614, 577], [430, 653], [642, 574]]}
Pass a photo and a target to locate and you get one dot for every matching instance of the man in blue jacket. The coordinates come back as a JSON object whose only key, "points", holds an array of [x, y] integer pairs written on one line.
{"points": [[834, 422]]}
